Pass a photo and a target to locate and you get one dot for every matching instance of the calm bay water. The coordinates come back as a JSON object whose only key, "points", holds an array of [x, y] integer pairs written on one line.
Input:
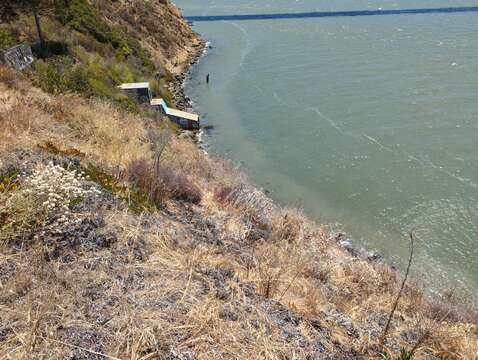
{"points": [[368, 122]]}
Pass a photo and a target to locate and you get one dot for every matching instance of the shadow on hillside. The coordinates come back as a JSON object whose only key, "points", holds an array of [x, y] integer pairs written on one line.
{"points": [[50, 49]]}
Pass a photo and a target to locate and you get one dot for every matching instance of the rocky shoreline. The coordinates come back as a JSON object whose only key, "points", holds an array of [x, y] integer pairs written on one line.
{"points": [[183, 102], [180, 99]]}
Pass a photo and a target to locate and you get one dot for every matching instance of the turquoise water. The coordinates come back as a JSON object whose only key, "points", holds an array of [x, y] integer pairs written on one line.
{"points": [[369, 123]]}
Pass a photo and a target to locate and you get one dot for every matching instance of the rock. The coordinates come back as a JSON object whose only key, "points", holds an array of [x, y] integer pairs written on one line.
{"points": [[4, 331], [361, 253], [256, 234], [374, 256], [219, 276], [207, 127], [347, 245], [342, 320], [187, 134], [281, 314], [411, 336], [290, 333], [315, 323], [183, 355], [228, 314], [320, 352], [83, 339]]}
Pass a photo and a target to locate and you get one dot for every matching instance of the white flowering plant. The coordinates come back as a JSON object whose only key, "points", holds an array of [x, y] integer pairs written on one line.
{"points": [[44, 202]]}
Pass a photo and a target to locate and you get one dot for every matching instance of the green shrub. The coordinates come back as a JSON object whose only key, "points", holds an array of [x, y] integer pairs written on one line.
{"points": [[50, 49], [59, 75], [7, 39], [160, 89], [100, 88], [9, 181], [137, 200], [77, 79], [84, 18], [155, 87], [120, 73], [125, 103], [166, 123], [97, 66], [49, 75], [90, 77], [101, 59]]}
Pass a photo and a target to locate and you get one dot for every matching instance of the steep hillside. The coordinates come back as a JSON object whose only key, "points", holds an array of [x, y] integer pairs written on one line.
{"points": [[92, 47], [158, 26], [120, 240]]}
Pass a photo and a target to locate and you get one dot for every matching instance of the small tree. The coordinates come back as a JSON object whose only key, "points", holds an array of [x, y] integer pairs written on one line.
{"points": [[11, 9]]}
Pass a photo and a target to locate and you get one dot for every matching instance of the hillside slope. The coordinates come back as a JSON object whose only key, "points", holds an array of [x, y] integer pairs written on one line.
{"points": [[95, 46], [120, 240], [160, 28]]}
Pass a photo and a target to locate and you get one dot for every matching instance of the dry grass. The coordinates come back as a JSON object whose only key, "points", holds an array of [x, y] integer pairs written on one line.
{"points": [[120, 136], [300, 265], [170, 299], [232, 276], [93, 128], [8, 75], [162, 182]]}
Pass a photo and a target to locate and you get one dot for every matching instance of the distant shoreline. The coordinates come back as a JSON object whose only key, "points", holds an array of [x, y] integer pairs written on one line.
{"points": [[322, 14]]}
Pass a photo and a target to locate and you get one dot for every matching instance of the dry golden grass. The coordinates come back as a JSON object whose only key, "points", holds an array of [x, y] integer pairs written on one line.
{"points": [[8, 76], [93, 128], [233, 277], [114, 303]]}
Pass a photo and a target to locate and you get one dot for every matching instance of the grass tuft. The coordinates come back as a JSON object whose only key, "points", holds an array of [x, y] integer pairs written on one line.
{"points": [[137, 201], [162, 182]]}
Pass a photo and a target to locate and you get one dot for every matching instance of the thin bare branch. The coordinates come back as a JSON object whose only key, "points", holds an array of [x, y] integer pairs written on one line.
{"points": [[399, 295]]}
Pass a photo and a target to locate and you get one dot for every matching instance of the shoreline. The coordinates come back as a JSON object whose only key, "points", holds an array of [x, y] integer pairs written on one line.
{"points": [[123, 238], [373, 234], [184, 102], [180, 99], [343, 240]]}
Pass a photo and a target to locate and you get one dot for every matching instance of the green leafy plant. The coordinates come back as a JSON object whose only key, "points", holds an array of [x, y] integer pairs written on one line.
{"points": [[137, 200], [9, 181], [84, 18], [127, 104], [49, 75], [7, 39]]}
